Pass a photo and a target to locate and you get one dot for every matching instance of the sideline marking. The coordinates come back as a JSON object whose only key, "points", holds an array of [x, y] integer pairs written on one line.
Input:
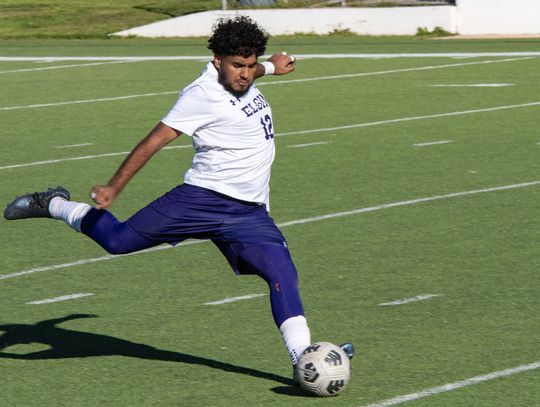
{"points": [[455, 385], [282, 225], [234, 299], [432, 143], [75, 102], [84, 157], [298, 56], [424, 68], [411, 118], [473, 85], [75, 145], [308, 144], [351, 126], [47, 68], [421, 297], [61, 298]]}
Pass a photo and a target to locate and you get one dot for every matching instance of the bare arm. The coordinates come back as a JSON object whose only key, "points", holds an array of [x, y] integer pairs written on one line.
{"points": [[159, 137], [283, 64]]}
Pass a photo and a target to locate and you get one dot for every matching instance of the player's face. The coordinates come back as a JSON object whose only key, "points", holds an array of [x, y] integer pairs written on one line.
{"points": [[236, 73]]}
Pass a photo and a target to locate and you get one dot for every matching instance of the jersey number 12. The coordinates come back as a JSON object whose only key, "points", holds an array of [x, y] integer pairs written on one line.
{"points": [[266, 122]]}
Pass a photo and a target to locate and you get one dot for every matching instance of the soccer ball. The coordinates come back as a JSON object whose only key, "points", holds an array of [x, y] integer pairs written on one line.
{"points": [[323, 369]]}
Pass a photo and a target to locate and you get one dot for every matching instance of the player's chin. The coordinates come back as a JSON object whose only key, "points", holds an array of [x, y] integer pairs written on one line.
{"points": [[240, 88]]}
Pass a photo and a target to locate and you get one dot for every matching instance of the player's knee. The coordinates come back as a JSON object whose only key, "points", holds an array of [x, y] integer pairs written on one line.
{"points": [[271, 262], [114, 246]]}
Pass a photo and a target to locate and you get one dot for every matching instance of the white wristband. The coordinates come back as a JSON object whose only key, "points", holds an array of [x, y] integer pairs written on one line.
{"points": [[269, 67]]}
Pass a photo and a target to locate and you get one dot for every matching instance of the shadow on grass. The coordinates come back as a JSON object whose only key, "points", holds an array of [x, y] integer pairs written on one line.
{"points": [[65, 343]]}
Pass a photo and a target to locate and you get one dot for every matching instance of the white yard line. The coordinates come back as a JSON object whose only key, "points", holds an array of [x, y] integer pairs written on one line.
{"points": [[432, 143], [404, 301], [473, 85], [285, 224], [411, 118], [308, 144], [235, 299], [75, 145], [407, 203], [60, 299], [48, 68], [280, 82], [75, 102], [326, 129], [455, 385], [391, 71], [84, 157], [298, 56]]}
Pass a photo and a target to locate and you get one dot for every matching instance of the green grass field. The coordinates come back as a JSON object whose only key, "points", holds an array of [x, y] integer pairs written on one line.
{"points": [[387, 184]]}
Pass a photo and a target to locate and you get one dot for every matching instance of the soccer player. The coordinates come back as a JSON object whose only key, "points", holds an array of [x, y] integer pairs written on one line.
{"points": [[225, 194]]}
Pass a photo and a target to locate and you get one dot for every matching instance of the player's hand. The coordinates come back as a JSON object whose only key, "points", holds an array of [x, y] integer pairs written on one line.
{"points": [[103, 195], [283, 63]]}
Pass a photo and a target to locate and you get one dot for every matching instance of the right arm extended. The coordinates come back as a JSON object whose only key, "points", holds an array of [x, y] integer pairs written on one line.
{"points": [[159, 137]]}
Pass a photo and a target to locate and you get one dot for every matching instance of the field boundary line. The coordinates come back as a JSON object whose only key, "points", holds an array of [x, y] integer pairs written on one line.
{"points": [[411, 118], [455, 385], [390, 71], [60, 298], [82, 157], [235, 299], [77, 102], [48, 68], [299, 56], [284, 224], [279, 82], [404, 301], [326, 129]]}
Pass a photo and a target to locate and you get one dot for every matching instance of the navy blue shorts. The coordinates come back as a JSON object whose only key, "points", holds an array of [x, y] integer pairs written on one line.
{"points": [[187, 212], [244, 232]]}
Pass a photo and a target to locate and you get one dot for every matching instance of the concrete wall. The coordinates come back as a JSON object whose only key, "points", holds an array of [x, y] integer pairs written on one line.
{"points": [[498, 17], [467, 17], [372, 21]]}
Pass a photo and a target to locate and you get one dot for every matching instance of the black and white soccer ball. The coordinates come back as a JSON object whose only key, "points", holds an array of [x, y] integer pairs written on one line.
{"points": [[323, 369]]}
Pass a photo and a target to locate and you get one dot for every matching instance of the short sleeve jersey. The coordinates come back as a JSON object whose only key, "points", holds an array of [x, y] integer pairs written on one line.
{"points": [[233, 137]]}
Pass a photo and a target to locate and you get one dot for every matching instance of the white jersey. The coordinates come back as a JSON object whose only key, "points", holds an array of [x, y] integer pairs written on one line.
{"points": [[233, 138]]}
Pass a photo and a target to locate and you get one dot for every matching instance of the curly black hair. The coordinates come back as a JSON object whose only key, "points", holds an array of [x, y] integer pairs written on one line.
{"points": [[239, 36]]}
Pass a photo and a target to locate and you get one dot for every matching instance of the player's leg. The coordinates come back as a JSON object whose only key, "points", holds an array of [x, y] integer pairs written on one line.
{"points": [[253, 244], [100, 225], [273, 263]]}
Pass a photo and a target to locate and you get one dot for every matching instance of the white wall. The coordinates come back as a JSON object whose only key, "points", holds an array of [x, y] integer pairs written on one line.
{"points": [[369, 21], [467, 17], [498, 17]]}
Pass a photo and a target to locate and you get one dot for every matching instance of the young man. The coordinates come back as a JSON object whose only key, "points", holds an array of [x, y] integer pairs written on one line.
{"points": [[225, 194]]}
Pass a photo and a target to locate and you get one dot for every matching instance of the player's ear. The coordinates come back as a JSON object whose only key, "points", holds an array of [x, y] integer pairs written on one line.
{"points": [[217, 61]]}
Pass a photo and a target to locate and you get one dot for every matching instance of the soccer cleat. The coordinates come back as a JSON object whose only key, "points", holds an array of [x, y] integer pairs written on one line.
{"points": [[348, 348], [34, 205]]}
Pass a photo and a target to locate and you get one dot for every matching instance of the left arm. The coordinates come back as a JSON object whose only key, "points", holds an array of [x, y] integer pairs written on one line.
{"points": [[283, 64]]}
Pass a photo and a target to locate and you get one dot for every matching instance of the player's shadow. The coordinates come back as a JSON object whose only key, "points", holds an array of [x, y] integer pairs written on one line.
{"points": [[65, 343]]}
